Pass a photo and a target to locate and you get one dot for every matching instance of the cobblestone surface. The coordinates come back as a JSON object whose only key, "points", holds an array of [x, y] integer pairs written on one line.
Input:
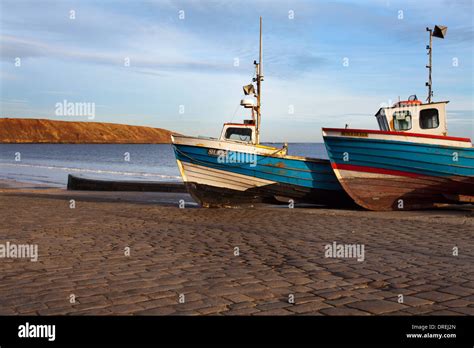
{"points": [[183, 262]]}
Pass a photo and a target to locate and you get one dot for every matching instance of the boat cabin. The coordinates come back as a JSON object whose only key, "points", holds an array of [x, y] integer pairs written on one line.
{"points": [[239, 132], [414, 117]]}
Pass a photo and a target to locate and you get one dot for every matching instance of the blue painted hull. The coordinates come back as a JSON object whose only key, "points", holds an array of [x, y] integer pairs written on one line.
{"points": [[425, 159], [301, 180], [393, 174]]}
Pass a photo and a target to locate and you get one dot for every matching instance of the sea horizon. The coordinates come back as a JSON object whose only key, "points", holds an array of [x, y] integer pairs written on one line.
{"points": [[50, 164]]}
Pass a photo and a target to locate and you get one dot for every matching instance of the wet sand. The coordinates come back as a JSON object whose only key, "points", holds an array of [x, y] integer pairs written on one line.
{"points": [[227, 261]]}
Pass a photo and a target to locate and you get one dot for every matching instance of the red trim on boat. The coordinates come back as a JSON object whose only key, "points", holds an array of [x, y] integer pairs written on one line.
{"points": [[406, 134], [240, 124], [373, 170]]}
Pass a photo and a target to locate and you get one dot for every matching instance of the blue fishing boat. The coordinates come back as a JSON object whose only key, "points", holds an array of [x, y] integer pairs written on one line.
{"points": [[215, 176], [410, 162], [395, 170], [236, 169]]}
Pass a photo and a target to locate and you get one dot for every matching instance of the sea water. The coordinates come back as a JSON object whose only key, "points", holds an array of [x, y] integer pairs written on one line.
{"points": [[50, 164]]}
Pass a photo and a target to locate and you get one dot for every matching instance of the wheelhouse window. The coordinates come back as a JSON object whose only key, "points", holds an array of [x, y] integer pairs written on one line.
{"points": [[402, 120], [429, 119], [239, 134]]}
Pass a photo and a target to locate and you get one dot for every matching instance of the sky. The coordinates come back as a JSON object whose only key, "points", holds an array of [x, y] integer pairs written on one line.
{"points": [[181, 65]]}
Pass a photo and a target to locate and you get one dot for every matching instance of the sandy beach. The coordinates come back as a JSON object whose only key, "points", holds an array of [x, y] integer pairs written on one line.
{"points": [[139, 253]]}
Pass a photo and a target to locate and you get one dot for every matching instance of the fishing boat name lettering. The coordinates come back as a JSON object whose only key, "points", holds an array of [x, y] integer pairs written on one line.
{"points": [[354, 134], [216, 152]]}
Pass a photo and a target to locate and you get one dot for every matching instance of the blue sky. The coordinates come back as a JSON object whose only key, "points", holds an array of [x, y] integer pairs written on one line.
{"points": [[190, 61]]}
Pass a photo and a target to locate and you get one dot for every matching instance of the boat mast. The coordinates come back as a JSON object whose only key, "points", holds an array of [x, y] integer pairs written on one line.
{"points": [[429, 66], [259, 87], [440, 32]]}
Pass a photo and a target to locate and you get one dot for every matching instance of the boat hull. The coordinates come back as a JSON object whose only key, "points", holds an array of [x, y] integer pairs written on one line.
{"points": [[277, 179], [383, 171]]}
